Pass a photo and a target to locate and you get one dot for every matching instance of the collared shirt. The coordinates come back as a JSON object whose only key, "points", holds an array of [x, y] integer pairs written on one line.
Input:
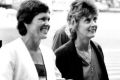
{"points": [[41, 71], [92, 71], [91, 68]]}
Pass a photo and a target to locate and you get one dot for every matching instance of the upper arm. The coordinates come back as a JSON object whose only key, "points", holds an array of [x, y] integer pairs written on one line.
{"points": [[59, 39], [56, 41], [61, 63], [53, 58], [6, 65]]}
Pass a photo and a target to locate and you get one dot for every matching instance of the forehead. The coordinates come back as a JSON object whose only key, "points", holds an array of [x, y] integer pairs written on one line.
{"points": [[90, 17], [41, 15]]}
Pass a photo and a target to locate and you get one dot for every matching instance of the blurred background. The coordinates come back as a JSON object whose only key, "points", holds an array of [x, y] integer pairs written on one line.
{"points": [[107, 34]]}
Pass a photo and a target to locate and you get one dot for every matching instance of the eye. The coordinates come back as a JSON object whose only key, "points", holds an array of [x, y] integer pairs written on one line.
{"points": [[45, 19], [87, 20], [48, 19], [95, 19]]}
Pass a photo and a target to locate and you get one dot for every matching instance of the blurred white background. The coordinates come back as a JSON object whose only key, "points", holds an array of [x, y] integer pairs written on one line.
{"points": [[107, 34]]}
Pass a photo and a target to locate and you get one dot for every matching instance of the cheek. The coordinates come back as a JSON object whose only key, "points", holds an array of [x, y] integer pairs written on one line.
{"points": [[35, 29], [83, 29], [80, 27], [38, 29]]}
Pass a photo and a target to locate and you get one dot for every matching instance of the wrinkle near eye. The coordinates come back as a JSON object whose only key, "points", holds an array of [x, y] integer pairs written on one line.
{"points": [[88, 20], [44, 19], [95, 19]]}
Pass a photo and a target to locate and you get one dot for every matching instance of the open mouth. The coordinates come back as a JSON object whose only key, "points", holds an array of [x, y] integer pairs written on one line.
{"points": [[44, 27], [92, 29]]}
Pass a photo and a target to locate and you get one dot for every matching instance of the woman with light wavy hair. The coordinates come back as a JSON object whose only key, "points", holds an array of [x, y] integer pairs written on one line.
{"points": [[82, 58]]}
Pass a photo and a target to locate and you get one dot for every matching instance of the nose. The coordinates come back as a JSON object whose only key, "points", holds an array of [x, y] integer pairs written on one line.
{"points": [[94, 24], [47, 24]]}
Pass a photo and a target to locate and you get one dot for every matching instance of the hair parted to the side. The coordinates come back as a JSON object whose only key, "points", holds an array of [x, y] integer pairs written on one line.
{"points": [[27, 11], [79, 9]]}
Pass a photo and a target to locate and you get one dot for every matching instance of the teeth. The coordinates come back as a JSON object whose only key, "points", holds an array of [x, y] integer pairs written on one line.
{"points": [[44, 28], [92, 30]]}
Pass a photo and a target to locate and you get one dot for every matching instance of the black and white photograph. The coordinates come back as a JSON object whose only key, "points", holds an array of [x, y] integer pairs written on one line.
{"points": [[59, 40]]}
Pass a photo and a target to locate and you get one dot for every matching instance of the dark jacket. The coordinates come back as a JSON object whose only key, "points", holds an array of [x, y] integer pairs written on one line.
{"points": [[60, 38], [70, 65]]}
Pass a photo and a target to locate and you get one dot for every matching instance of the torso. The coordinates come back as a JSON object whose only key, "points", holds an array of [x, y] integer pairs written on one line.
{"points": [[37, 56], [39, 63], [93, 70], [70, 58]]}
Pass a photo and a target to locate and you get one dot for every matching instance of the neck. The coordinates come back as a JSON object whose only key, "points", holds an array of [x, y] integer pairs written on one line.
{"points": [[82, 44], [31, 44]]}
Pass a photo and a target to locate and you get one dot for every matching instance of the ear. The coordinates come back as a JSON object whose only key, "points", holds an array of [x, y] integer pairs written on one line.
{"points": [[26, 25], [73, 22]]}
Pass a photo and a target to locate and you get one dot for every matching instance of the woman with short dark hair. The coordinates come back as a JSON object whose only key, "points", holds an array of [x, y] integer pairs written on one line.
{"points": [[26, 58]]}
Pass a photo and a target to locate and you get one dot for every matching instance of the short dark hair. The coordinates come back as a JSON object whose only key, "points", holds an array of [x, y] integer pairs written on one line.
{"points": [[27, 11], [79, 9]]}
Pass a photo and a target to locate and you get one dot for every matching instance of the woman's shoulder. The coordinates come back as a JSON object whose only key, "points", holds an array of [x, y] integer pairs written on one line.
{"points": [[10, 46], [8, 53], [64, 49], [46, 50], [96, 44], [44, 47]]}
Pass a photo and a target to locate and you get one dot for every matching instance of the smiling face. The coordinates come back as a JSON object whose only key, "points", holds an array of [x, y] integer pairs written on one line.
{"points": [[87, 27], [39, 26]]}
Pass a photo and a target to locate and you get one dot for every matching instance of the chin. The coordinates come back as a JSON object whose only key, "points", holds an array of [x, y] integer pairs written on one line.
{"points": [[91, 36]]}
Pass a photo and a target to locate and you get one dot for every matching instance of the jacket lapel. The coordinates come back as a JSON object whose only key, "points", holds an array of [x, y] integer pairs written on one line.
{"points": [[49, 59], [25, 66], [75, 61], [100, 58]]}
